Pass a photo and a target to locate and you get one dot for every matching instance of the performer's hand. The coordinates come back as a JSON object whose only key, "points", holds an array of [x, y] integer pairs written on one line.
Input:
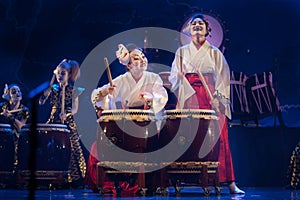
{"points": [[103, 93], [63, 116], [180, 75], [147, 97], [5, 91], [111, 89], [47, 92], [215, 103], [6, 113]]}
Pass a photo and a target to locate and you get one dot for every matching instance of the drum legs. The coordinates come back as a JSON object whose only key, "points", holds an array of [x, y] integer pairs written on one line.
{"points": [[194, 173]]}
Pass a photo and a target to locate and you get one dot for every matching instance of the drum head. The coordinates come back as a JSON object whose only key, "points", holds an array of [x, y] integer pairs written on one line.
{"points": [[47, 127], [128, 114], [193, 113]]}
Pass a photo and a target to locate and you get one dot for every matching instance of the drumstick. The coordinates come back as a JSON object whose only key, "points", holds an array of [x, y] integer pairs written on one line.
{"points": [[181, 84], [180, 57], [17, 110], [206, 87], [108, 71], [63, 102], [13, 111], [52, 80]]}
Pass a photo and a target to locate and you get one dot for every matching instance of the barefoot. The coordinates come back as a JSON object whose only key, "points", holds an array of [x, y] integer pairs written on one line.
{"points": [[234, 189]]}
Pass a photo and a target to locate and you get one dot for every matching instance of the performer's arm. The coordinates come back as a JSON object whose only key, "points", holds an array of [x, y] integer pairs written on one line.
{"points": [[75, 106], [44, 96]]}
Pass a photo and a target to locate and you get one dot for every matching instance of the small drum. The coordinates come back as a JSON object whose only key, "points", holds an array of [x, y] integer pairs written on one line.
{"points": [[132, 130], [6, 148], [188, 128], [53, 147]]}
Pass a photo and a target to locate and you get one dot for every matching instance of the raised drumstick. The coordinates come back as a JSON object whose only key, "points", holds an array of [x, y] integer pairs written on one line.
{"points": [[108, 71]]}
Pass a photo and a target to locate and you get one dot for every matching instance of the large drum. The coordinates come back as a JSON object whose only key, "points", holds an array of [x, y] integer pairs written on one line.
{"points": [[53, 148], [188, 128], [131, 130], [6, 154]]}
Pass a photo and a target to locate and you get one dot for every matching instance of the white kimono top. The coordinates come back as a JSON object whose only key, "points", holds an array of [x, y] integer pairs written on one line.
{"points": [[127, 91], [208, 59]]}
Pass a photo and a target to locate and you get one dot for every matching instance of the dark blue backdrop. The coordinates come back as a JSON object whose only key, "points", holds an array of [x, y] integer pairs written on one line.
{"points": [[260, 35]]}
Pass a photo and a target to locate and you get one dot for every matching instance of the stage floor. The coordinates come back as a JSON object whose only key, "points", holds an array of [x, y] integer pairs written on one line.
{"points": [[186, 193]]}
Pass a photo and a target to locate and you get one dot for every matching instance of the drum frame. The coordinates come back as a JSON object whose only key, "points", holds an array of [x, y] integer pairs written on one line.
{"points": [[7, 170], [188, 168], [114, 126], [47, 175]]}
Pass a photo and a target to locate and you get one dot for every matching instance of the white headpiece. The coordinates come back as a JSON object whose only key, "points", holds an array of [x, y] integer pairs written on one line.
{"points": [[123, 54]]}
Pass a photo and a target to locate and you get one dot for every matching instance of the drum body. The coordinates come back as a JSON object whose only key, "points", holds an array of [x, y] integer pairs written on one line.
{"points": [[7, 150], [53, 147], [131, 130], [187, 128]]}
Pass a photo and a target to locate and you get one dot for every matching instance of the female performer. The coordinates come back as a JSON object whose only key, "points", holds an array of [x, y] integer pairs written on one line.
{"points": [[64, 102], [13, 112], [196, 58]]}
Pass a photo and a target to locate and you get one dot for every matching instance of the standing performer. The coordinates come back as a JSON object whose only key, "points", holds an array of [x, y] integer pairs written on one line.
{"points": [[13, 112], [201, 76], [64, 102], [137, 88]]}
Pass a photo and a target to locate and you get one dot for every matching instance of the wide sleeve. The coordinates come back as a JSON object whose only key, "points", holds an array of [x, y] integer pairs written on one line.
{"points": [[109, 101], [185, 90], [175, 69], [160, 95], [104, 103], [222, 84]]}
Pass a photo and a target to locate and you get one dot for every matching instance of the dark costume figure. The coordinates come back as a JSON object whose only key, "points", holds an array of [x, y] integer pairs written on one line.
{"points": [[14, 113], [64, 102], [294, 169]]}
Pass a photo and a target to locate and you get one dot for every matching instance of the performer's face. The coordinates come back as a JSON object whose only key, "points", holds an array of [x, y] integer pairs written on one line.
{"points": [[198, 27], [62, 75], [15, 93], [138, 60]]}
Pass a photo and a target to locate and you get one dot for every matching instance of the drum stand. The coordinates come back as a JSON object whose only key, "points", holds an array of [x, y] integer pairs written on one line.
{"points": [[131, 172], [203, 173]]}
